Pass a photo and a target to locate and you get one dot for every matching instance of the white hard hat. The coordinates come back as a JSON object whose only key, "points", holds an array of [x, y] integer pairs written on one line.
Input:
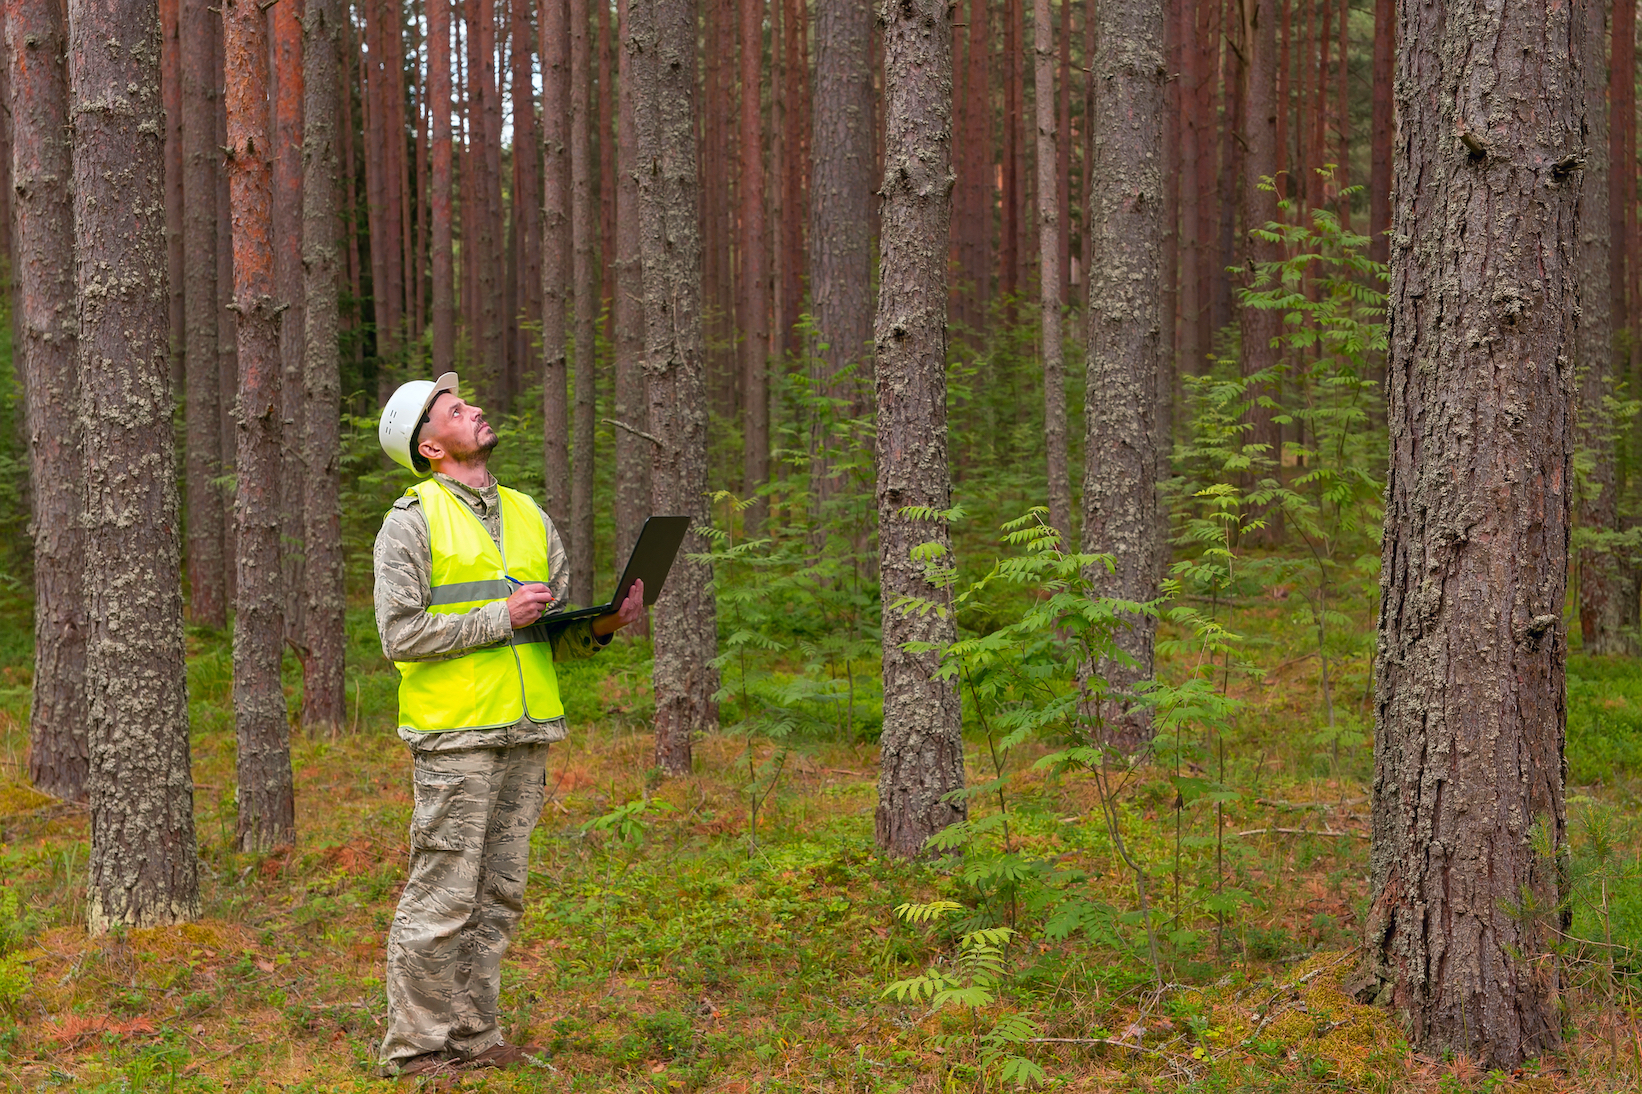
{"points": [[403, 415]]}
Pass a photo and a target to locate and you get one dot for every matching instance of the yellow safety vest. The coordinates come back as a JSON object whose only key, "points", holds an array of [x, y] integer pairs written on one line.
{"points": [[497, 685]]}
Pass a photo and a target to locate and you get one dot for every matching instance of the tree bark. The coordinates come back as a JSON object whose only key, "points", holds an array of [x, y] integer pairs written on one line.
{"points": [[144, 865], [44, 286], [324, 684], [202, 411], [585, 290], [1063, 151], [1193, 146], [1622, 165], [527, 192], [1383, 130], [554, 29], [795, 103], [1011, 164], [266, 809], [631, 402], [1469, 689], [285, 32], [685, 625], [227, 327], [483, 189], [1260, 328], [1601, 623], [975, 225], [841, 189], [755, 273], [1049, 279], [171, 95], [1120, 498], [921, 754], [443, 260]]}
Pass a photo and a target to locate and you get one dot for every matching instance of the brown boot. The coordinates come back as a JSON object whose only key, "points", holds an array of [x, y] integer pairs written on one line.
{"points": [[429, 1065], [505, 1055]]}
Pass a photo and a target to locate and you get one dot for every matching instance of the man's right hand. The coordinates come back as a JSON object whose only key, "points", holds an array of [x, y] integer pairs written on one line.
{"points": [[527, 603]]}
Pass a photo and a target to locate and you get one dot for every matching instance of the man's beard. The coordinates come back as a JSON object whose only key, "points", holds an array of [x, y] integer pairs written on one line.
{"points": [[483, 446]]}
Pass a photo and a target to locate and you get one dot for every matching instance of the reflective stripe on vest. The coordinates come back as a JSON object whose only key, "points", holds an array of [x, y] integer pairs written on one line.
{"points": [[498, 685]]}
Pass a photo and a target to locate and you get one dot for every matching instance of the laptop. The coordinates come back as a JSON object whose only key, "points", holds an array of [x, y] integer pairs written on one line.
{"points": [[652, 558]]}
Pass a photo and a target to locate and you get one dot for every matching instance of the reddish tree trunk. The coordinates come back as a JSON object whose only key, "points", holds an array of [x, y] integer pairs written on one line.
{"points": [[605, 140], [975, 225], [1012, 199], [1192, 137], [1379, 181], [1260, 327], [44, 287], [442, 259], [584, 288], [793, 203], [527, 189], [1622, 167], [755, 277], [1342, 174], [267, 815], [1319, 111], [1285, 184], [1063, 149], [227, 325], [554, 27]]}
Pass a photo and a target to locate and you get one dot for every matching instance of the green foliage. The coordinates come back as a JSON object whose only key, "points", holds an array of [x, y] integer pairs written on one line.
{"points": [[18, 926], [971, 979]]}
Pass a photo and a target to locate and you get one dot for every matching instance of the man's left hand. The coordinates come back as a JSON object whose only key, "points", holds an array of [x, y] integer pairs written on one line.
{"points": [[630, 612]]}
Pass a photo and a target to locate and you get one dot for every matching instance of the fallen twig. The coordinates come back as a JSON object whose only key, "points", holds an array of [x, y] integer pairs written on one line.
{"points": [[1303, 832]]}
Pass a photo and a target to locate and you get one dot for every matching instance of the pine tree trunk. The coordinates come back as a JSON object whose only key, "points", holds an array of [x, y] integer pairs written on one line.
{"points": [[443, 258], [554, 29], [266, 810], [1063, 152], [585, 290], [1259, 133], [482, 191], [755, 274], [1601, 627], [605, 19], [1383, 130], [1622, 167], [1469, 816], [227, 326], [921, 754], [202, 411], [841, 188], [1049, 280], [685, 625], [285, 32], [527, 193], [43, 289], [1193, 144], [144, 864], [632, 406], [1010, 199], [324, 684], [171, 96], [1120, 498], [975, 227], [795, 69]]}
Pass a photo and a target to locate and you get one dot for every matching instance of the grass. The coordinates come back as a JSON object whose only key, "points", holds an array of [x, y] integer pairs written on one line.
{"points": [[678, 955]]}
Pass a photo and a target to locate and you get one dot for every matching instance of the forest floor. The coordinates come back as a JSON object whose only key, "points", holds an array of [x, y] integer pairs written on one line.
{"points": [[668, 949]]}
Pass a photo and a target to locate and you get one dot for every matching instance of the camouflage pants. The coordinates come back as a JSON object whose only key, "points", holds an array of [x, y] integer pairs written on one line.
{"points": [[470, 853]]}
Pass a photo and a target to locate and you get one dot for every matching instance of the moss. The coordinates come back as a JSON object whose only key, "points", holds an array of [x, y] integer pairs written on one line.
{"points": [[16, 799]]}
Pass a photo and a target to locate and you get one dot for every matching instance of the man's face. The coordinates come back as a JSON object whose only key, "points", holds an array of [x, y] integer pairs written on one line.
{"points": [[456, 430]]}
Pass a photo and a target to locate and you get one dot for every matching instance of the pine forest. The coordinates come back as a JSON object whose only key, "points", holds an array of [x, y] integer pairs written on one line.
{"points": [[1160, 598]]}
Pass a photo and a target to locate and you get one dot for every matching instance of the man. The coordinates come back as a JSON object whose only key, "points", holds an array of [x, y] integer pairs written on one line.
{"points": [[465, 570]]}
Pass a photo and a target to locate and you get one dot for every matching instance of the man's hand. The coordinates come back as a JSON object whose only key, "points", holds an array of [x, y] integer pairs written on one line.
{"points": [[630, 612], [527, 603]]}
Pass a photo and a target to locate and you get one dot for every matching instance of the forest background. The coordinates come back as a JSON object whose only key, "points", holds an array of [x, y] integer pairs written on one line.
{"points": [[1247, 817]]}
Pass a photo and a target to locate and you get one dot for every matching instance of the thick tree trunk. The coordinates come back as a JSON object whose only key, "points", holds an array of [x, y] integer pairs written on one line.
{"points": [[685, 626], [841, 194], [324, 685], [554, 29], [42, 167], [632, 405], [443, 259], [755, 273], [202, 412], [921, 757], [585, 290], [1383, 130], [1049, 280], [285, 31], [1120, 497], [144, 864], [1469, 817], [266, 808]]}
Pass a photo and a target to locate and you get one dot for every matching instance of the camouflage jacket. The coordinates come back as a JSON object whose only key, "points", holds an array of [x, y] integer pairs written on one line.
{"points": [[403, 565]]}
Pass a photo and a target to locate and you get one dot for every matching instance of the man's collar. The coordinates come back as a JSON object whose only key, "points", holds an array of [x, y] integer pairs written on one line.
{"points": [[474, 498]]}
